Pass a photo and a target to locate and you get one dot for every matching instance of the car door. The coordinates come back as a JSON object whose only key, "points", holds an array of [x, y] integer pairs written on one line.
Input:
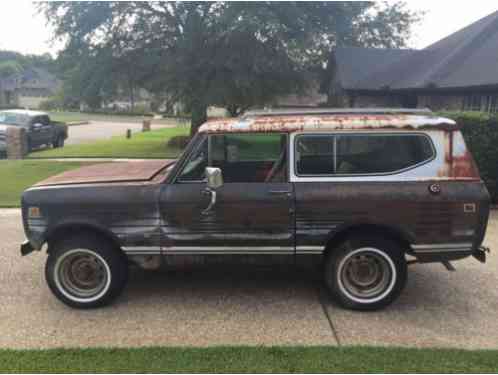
{"points": [[254, 208], [47, 130], [39, 131]]}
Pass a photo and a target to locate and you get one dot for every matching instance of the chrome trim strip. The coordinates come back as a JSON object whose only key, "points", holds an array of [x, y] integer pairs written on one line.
{"points": [[441, 248], [140, 248], [309, 249], [445, 250], [150, 250], [175, 250]]}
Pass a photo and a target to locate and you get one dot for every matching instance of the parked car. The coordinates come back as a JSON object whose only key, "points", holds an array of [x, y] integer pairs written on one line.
{"points": [[368, 192], [40, 130]]}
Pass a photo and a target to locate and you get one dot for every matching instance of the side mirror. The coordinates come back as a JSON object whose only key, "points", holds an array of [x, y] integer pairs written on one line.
{"points": [[214, 177]]}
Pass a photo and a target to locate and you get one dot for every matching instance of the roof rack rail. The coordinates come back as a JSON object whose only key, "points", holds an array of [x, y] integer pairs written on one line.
{"points": [[327, 111]]}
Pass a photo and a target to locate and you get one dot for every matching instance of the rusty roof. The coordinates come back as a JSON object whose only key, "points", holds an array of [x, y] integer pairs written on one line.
{"points": [[324, 122]]}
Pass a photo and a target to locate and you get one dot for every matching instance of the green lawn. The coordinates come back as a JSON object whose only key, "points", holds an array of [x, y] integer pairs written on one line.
{"points": [[141, 145], [78, 117], [250, 360], [17, 175]]}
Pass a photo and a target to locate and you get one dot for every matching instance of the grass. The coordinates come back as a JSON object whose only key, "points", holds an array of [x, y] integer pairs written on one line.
{"points": [[250, 360], [141, 145], [69, 117], [17, 175]]}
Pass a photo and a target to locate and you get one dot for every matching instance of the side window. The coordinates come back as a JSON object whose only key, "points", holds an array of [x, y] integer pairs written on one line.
{"points": [[376, 154], [249, 157], [241, 158], [315, 154], [39, 120], [196, 165], [358, 154]]}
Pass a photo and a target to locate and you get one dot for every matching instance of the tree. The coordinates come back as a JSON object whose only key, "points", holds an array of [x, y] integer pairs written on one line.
{"points": [[223, 53]]}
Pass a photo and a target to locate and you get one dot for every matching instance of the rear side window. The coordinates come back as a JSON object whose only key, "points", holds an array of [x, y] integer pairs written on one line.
{"points": [[360, 154]]}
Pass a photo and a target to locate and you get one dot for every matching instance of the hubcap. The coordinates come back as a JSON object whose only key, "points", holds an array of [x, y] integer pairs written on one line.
{"points": [[366, 275], [82, 275]]}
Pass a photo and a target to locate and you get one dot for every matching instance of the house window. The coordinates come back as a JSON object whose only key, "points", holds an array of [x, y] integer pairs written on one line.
{"points": [[472, 102], [484, 103], [491, 103]]}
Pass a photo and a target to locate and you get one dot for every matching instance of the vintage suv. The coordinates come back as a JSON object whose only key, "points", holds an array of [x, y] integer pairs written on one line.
{"points": [[366, 191]]}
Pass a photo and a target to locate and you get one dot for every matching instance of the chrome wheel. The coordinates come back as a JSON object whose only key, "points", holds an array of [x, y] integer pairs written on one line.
{"points": [[82, 275], [366, 275]]}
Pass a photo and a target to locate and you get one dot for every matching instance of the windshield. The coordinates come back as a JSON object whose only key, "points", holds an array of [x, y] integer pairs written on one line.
{"points": [[10, 118]]}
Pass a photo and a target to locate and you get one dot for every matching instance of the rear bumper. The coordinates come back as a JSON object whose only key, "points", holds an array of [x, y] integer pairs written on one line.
{"points": [[26, 248], [447, 252]]}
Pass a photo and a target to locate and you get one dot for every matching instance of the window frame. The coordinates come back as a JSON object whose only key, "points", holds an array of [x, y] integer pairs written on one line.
{"points": [[354, 175]]}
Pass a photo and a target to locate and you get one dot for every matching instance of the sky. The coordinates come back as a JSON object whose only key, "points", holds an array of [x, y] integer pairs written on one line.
{"points": [[25, 31]]}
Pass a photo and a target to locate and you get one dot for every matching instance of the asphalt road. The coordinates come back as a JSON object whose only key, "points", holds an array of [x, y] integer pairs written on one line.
{"points": [[97, 130], [253, 307]]}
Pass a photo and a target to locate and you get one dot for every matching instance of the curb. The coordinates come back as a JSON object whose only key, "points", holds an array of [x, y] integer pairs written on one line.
{"points": [[77, 123]]}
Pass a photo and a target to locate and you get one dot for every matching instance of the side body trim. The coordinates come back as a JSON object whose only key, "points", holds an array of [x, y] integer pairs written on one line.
{"points": [[178, 250], [442, 248]]}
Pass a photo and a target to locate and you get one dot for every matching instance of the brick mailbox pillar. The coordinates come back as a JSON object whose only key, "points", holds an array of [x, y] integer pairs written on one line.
{"points": [[17, 142], [146, 124]]}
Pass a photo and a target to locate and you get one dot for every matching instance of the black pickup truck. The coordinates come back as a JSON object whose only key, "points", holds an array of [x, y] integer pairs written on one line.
{"points": [[39, 128]]}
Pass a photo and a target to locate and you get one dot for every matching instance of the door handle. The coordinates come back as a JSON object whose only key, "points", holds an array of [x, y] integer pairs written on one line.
{"points": [[209, 209]]}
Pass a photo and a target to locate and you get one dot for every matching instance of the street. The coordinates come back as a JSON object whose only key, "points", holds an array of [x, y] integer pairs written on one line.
{"points": [[99, 130]]}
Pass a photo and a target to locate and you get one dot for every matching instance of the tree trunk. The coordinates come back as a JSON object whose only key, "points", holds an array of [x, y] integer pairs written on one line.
{"points": [[199, 116]]}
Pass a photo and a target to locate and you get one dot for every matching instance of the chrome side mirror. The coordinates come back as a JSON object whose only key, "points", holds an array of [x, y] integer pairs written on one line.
{"points": [[214, 178]]}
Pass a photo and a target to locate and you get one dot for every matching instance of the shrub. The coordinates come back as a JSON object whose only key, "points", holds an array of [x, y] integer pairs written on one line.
{"points": [[480, 131], [51, 104]]}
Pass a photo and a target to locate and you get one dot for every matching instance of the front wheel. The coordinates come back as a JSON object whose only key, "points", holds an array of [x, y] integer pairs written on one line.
{"points": [[85, 271], [366, 273]]}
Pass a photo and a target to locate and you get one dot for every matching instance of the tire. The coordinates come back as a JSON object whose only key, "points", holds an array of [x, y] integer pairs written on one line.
{"points": [[59, 142], [86, 271], [366, 273]]}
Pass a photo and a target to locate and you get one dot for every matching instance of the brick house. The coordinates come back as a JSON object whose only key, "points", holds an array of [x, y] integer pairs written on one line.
{"points": [[459, 72], [28, 88]]}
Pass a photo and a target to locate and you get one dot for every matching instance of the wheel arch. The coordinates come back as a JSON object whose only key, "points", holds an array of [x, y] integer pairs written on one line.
{"points": [[401, 237], [70, 229]]}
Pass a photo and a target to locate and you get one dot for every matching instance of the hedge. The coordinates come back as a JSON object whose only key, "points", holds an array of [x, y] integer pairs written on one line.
{"points": [[480, 131]]}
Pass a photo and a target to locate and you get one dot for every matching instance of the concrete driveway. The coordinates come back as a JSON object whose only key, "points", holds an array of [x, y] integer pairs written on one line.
{"points": [[253, 307], [97, 130]]}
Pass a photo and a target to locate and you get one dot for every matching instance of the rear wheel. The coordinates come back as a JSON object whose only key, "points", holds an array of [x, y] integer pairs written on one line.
{"points": [[366, 273], [85, 271]]}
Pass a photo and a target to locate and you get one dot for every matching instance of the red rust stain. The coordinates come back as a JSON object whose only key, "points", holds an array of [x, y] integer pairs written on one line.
{"points": [[284, 123], [457, 166], [464, 166]]}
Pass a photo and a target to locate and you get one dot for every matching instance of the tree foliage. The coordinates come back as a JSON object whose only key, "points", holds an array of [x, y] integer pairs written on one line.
{"points": [[235, 55]]}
